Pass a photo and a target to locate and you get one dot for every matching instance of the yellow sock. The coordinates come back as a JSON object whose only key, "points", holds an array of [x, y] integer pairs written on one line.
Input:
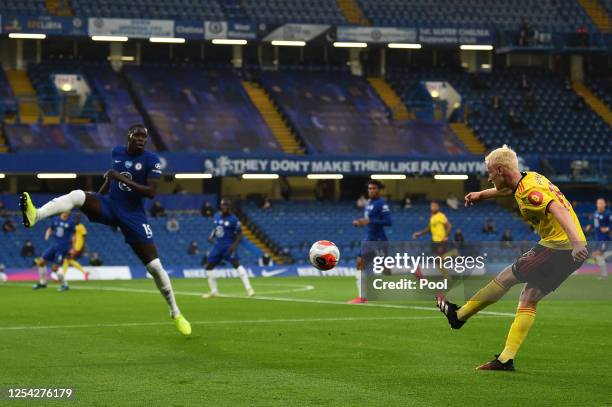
{"points": [[486, 296], [76, 265], [65, 266], [518, 332]]}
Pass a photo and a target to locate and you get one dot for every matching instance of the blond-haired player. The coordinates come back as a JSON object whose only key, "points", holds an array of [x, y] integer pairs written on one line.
{"points": [[561, 250], [78, 245]]}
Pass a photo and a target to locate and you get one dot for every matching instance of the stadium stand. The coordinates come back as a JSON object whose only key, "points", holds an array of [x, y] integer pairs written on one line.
{"points": [[547, 15], [340, 113], [294, 11], [267, 11], [110, 243], [196, 110], [557, 118], [24, 7], [601, 86], [155, 9], [8, 103], [291, 224]]}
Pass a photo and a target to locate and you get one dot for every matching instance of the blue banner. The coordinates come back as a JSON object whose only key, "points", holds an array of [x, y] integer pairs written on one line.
{"points": [[229, 29], [229, 165], [376, 34], [453, 35], [50, 25], [189, 29]]}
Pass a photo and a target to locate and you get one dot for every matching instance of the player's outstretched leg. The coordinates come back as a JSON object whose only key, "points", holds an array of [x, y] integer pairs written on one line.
{"points": [[162, 281], [489, 294], [147, 253], [64, 203]]}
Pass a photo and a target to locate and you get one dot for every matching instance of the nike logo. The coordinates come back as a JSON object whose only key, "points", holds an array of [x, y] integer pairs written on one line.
{"points": [[265, 273]]}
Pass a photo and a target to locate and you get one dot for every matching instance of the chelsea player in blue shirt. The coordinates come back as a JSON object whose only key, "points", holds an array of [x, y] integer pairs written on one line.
{"points": [[134, 175], [61, 231], [228, 234], [602, 220], [376, 217]]}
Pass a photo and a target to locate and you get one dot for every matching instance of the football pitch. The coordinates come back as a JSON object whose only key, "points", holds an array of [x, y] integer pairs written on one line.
{"points": [[297, 343]]}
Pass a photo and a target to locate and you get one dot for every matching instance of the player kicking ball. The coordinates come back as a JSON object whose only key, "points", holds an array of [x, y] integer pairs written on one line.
{"points": [[228, 234], [560, 252], [61, 231], [134, 175]]}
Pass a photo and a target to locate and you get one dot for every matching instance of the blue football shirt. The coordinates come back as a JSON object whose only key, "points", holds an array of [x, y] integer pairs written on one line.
{"points": [[226, 228], [377, 211], [138, 168], [62, 231]]}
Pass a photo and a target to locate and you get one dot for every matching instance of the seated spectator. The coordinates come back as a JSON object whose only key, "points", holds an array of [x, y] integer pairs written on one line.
{"points": [[3, 212], [459, 236], [524, 85], [514, 122], [496, 102], [527, 33], [28, 249], [452, 201], [285, 188], [157, 210], [507, 236], [193, 248], [267, 204], [361, 201], [9, 226], [207, 210], [95, 259], [579, 104], [407, 202], [173, 225], [265, 260], [489, 226]]}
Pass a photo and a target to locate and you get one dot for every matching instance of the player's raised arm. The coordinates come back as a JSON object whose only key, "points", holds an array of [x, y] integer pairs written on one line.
{"points": [[48, 233], [105, 186], [579, 251], [149, 190], [475, 197]]}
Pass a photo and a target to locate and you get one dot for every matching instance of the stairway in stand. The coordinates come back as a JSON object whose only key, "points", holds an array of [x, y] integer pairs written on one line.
{"points": [[467, 136], [281, 131]]}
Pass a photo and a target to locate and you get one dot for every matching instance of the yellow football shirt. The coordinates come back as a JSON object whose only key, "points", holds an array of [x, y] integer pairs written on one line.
{"points": [[79, 239], [533, 194], [437, 227]]}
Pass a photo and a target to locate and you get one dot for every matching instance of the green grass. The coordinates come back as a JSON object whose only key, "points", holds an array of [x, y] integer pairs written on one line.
{"points": [[120, 348]]}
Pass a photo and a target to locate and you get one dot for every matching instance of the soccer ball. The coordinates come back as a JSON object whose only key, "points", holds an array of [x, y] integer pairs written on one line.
{"points": [[324, 255]]}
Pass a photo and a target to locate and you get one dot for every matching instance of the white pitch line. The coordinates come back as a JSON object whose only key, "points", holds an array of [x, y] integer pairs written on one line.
{"points": [[286, 299], [228, 322]]}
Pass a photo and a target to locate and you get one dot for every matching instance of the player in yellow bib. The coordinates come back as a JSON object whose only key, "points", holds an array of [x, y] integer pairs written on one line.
{"points": [[440, 228], [78, 245], [560, 251]]}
